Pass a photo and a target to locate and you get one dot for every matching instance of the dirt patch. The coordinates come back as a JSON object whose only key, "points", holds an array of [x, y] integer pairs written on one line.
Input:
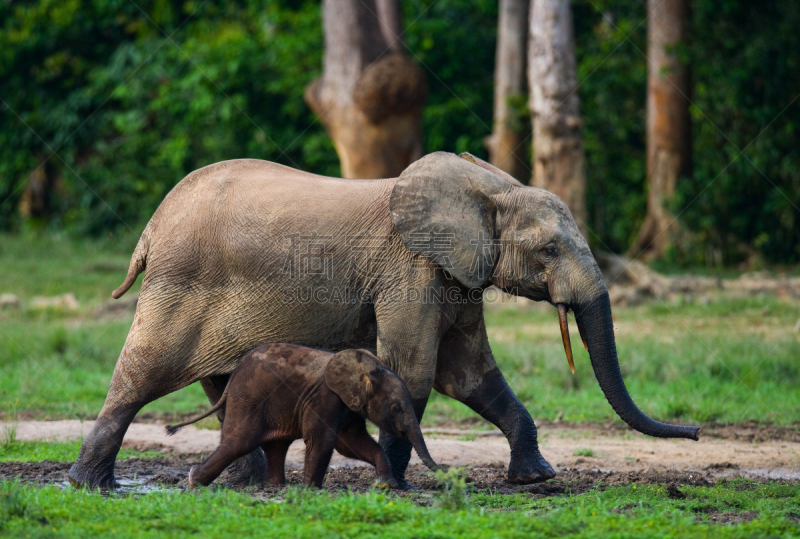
{"points": [[567, 447], [731, 518]]}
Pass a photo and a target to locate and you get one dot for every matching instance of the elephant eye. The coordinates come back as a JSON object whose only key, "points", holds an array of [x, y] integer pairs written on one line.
{"points": [[550, 251], [396, 408]]}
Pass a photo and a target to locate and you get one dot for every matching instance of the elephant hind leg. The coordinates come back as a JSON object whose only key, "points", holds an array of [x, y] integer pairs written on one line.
{"points": [[231, 449], [135, 383], [250, 469], [275, 452]]}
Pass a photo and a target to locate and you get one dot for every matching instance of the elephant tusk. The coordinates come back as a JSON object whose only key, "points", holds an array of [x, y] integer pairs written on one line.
{"points": [[562, 321]]}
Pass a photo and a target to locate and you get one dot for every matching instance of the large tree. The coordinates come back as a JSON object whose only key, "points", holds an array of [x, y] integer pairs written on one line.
{"points": [[668, 124], [370, 95], [557, 140], [506, 148]]}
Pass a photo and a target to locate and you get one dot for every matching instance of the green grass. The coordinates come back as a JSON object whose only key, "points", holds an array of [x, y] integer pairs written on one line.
{"points": [[729, 360], [583, 452], [646, 511], [49, 265], [58, 364], [61, 367], [27, 451], [725, 360]]}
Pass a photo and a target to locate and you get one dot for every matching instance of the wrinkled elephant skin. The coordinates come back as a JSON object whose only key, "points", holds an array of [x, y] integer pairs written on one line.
{"points": [[247, 252]]}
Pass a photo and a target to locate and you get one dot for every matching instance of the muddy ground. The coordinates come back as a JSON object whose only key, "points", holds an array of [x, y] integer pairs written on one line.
{"points": [[585, 456], [748, 450], [135, 473]]}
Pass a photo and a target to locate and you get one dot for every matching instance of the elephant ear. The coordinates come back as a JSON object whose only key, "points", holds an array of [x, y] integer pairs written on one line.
{"points": [[442, 208], [353, 375], [491, 168]]}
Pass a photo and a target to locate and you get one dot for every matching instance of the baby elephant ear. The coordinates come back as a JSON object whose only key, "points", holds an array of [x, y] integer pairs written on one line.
{"points": [[442, 206], [351, 374]]}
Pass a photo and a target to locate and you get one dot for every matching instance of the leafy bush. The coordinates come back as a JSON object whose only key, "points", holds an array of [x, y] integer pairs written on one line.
{"points": [[453, 483]]}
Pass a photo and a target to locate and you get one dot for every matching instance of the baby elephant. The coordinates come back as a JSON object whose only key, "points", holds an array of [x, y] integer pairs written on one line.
{"points": [[282, 392]]}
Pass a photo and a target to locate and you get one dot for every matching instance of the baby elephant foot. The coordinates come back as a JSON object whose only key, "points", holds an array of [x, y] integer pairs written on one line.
{"points": [[192, 484], [387, 482], [529, 469]]}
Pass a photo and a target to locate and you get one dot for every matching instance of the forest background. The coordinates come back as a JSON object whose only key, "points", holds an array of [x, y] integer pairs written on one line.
{"points": [[109, 103]]}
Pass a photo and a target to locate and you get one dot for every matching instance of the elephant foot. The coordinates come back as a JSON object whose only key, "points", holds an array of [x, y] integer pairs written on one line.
{"points": [[192, 482], [398, 450], [530, 469], [93, 469], [404, 485], [82, 476], [249, 470]]}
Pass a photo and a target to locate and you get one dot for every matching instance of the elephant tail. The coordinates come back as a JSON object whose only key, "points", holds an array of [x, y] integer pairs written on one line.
{"points": [[172, 429], [138, 262]]}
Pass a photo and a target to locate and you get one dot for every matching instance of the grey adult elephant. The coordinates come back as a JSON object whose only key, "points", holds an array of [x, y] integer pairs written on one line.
{"points": [[247, 252]]}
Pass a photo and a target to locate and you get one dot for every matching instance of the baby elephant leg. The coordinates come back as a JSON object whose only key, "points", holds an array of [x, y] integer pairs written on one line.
{"points": [[276, 461], [249, 469], [319, 447], [355, 442], [232, 446]]}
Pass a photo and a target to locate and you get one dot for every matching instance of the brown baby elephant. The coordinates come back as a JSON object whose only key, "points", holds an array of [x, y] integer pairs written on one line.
{"points": [[283, 392]]}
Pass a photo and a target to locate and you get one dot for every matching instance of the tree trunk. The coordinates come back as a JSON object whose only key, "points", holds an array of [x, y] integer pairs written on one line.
{"points": [[557, 139], [668, 126], [505, 145], [37, 198], [370, 95]]}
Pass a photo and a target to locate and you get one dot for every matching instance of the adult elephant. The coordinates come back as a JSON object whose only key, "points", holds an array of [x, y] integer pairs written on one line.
{"points": [[247, 252]]}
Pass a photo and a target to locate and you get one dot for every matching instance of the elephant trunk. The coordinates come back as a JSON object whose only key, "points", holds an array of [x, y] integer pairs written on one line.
{"points": [[596, 325], [416, 439]]}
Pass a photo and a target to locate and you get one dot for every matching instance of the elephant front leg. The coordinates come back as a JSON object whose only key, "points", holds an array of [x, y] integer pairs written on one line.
{"points": [[398, 450], [355, 442], [408, 337], [467, 372], [494, 400]]}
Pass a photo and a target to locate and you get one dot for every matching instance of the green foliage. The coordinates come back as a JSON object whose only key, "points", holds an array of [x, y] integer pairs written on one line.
{"points": [[613, 80], [743, 59], [454, 488], [9, 436], [583, 452], [454, 42], [131, 100], [62, 451]]}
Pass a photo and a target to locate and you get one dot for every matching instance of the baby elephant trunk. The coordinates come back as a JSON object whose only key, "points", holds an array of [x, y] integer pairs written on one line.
{"points": [[416, 439]]}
